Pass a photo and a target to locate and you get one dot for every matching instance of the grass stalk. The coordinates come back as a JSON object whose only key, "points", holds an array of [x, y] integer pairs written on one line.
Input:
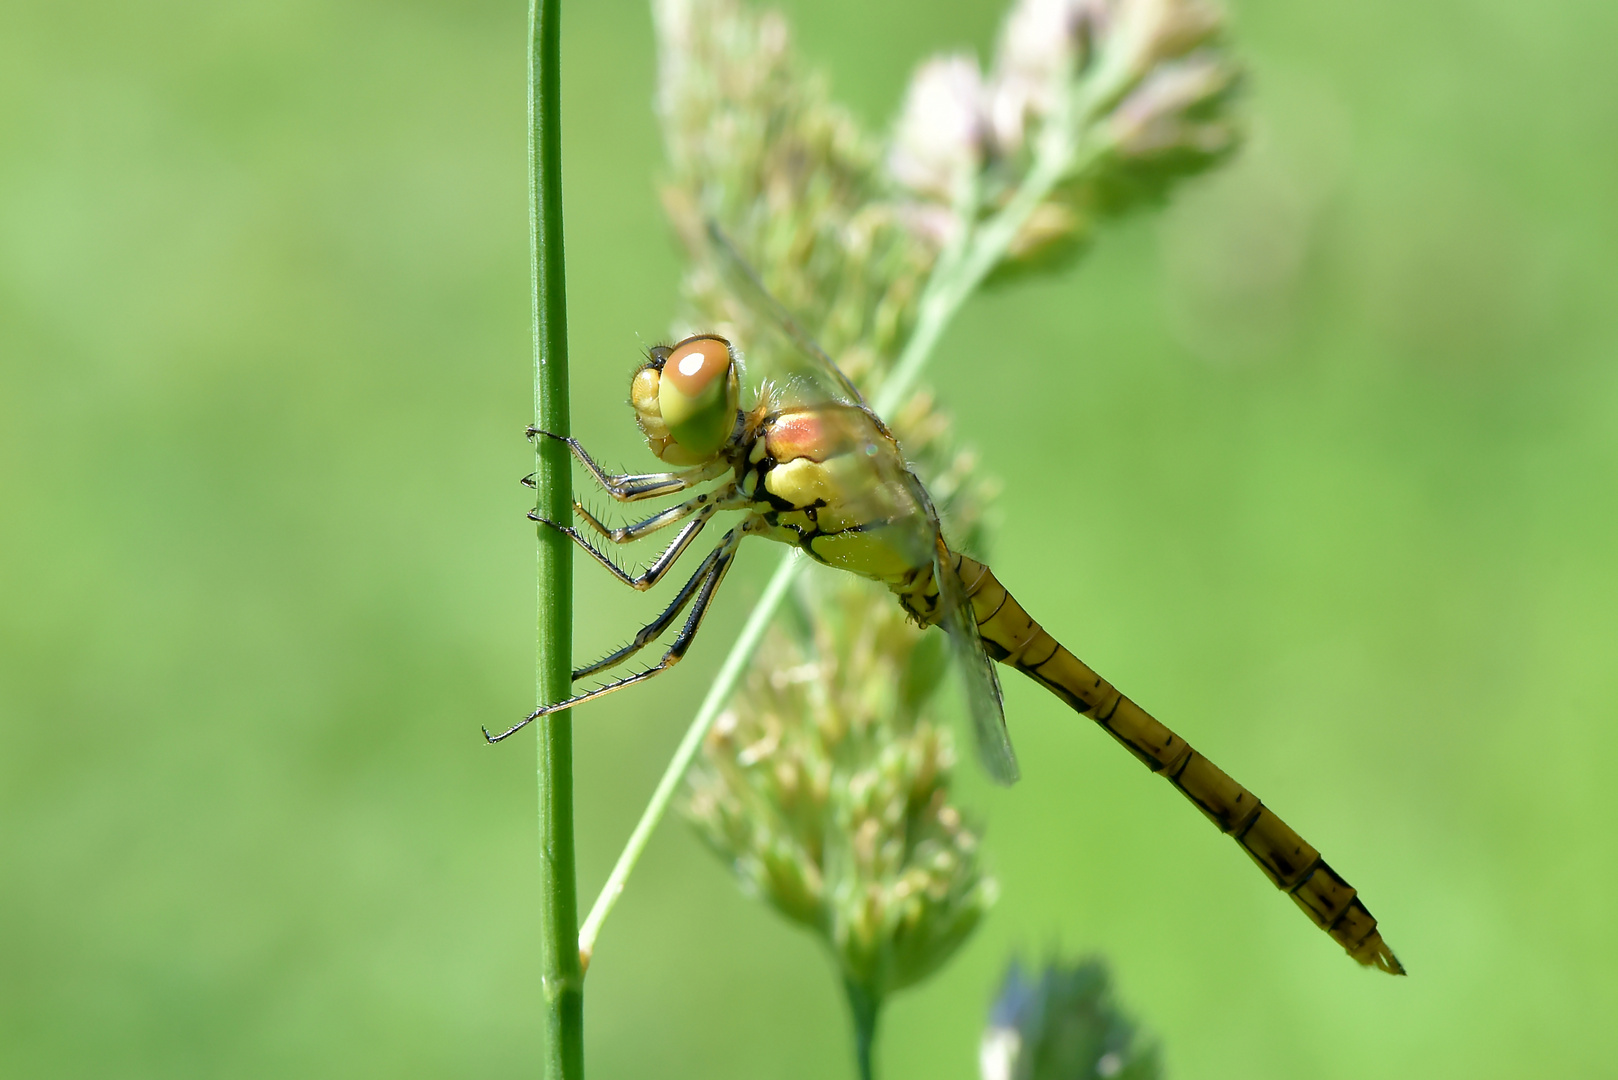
{"points": [[561, 977], [718, 693], [865, 1010]]}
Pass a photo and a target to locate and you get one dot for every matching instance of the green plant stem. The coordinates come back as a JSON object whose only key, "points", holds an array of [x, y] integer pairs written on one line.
{"points": [[718, 692], [561, 977], [865, 1008], [960, 269]]}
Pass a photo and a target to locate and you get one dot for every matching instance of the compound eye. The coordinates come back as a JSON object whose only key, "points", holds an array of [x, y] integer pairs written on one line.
{"points": [[697, 395], [695, 363]]}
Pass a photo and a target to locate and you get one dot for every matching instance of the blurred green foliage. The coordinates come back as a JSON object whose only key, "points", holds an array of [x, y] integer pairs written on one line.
{"points": [[1319, 466]]}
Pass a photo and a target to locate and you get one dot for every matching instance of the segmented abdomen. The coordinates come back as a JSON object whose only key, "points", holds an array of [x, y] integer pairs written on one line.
{"points": [[1015, 639]]}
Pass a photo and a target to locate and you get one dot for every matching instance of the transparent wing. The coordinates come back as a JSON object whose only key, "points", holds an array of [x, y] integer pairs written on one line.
{"points": [[980, 684], [888, 498], [794, 354]]}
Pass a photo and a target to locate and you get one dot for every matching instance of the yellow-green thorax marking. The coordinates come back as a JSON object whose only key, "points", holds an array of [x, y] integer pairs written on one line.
{"points": [[814, 474]]}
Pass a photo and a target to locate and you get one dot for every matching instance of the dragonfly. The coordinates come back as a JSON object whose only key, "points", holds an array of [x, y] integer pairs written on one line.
{"points": [[811, 465]]}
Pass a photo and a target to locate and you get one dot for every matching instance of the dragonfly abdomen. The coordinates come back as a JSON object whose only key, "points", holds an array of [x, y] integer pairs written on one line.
{"points": [[1012, 637]]}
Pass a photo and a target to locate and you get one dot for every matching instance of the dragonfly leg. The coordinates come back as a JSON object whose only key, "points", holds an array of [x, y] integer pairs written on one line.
{"points": [[654, 629], [659, 567], [704, 583], [632, 487], [724, 498]]}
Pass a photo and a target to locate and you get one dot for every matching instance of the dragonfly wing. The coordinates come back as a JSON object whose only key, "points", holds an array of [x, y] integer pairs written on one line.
{"points": [[888, 496], [980, 682], [798, 354]]}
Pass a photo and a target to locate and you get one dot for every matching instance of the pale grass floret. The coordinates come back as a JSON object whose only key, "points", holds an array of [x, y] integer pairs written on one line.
{"points": [[940, 132]]}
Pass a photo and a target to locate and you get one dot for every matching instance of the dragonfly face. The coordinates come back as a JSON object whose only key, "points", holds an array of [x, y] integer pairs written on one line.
{"points": [[685, 398]]}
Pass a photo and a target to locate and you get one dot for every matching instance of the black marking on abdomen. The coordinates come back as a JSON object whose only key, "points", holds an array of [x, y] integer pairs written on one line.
{"points": [[1005, 594], [999, 652], [1076, 703], [1030, 662]]}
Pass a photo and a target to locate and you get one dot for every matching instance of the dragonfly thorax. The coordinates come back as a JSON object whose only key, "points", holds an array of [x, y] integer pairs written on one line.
{"points": [[685, 398]]}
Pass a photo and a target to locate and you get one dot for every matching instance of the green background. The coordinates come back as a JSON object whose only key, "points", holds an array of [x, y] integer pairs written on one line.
{"points": [[1320, 466]]}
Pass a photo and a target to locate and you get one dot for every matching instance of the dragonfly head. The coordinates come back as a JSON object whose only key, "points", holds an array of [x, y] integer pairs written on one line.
{"points": [[685, 397]]}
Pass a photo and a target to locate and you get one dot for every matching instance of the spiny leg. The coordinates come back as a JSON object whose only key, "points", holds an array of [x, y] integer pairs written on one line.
{"points": [[715, 568], [722, 498], [619, 482], [660, 566], [654, 629], [650, 632], [632, 487]]}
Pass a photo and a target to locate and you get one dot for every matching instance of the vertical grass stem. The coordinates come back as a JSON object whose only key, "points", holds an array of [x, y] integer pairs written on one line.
{"points": [[561, 977], [865, 1009]]}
